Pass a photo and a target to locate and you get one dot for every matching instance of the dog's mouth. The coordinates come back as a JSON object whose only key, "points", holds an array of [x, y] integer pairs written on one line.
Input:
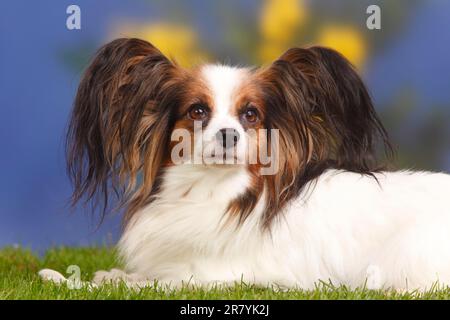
{"points": [[222, 157]]}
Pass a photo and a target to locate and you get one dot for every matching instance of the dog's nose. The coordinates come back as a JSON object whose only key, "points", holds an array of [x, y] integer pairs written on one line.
{"points": [[228, 137]]}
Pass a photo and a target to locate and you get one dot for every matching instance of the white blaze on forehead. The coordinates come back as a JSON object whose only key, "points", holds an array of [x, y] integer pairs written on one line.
{"points": [[223, 82]]}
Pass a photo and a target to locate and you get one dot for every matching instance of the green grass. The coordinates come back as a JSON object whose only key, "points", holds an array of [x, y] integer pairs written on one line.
{"points": [[19, 280]]}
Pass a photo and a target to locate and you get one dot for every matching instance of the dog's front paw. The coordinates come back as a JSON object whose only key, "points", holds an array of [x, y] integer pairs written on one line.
{"points": [[52, 276], [112, 276], [116, 276], [57, 278]]}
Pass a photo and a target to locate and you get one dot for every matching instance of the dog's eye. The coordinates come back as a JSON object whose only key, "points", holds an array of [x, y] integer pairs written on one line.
{"points": [[250, 115], [198, 112]]}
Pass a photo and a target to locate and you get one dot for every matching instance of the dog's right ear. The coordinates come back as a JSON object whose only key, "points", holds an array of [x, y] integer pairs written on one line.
{"points": [[121, 116]]}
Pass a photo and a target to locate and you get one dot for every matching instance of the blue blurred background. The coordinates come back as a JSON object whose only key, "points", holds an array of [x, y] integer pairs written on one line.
{"points": [[406, 65]]}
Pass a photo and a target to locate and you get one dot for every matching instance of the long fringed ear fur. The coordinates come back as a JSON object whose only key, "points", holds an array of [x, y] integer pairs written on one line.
{"points": [[325, 117], [121, 115], [337, 99]]}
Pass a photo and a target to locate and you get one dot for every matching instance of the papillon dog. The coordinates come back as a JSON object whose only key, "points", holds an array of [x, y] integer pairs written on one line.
{"points": [[319, 206]]}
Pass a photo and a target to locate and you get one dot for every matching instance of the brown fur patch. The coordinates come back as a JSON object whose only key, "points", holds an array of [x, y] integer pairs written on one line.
{"points": [[195, 92]]}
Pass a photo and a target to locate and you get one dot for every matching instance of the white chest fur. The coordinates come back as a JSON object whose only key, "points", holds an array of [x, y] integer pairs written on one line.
{"points": [[342, 230]]}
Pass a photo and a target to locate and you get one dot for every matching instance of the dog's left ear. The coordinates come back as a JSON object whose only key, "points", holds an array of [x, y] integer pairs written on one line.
{"points": [[322, 87], [325, 119]]}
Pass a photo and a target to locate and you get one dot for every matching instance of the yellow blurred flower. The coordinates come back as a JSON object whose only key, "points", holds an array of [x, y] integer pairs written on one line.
{"points": [[175, 41], [270, 51], [280, 19], [279, 22], [345, 39]]}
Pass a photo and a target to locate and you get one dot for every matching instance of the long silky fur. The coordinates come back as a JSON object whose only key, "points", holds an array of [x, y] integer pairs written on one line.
{"points": [[326, 120], [123, 104]]}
